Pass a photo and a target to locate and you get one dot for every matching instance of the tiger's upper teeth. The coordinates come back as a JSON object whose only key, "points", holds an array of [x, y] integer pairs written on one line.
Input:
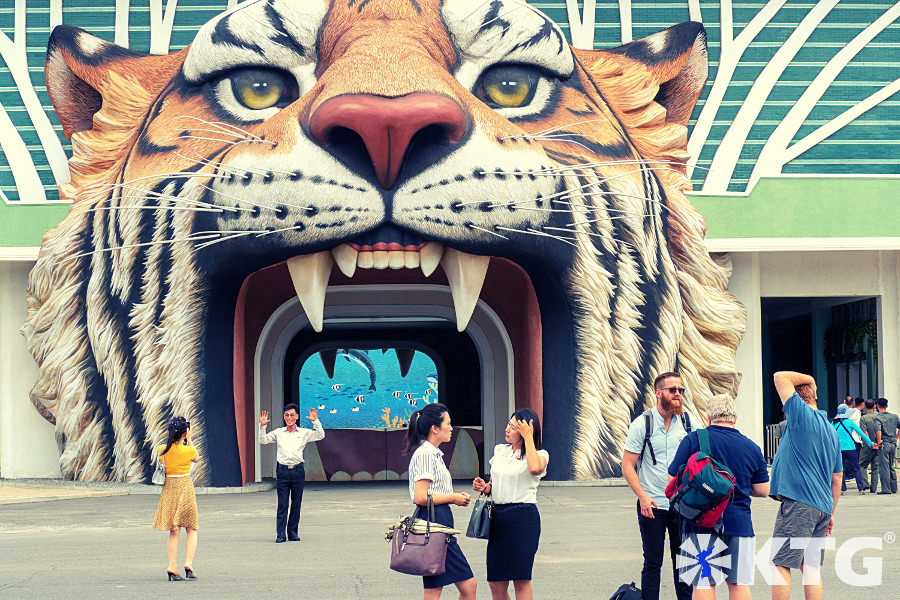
{"points": [[310, 274], [430, 257], [345, 257], [465, 274]]}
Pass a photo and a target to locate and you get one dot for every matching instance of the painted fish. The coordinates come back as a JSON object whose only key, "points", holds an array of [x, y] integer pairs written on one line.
{"points": [[333, 411], [428, 392], [321, 407], [397, 395], [337, 387], [362, 359], [408, 396], [361, 399], [413, 401], [354, 409]]}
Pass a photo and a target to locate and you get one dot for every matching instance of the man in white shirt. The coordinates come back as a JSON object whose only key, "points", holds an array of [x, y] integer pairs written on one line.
{"points": [[289, 472]]}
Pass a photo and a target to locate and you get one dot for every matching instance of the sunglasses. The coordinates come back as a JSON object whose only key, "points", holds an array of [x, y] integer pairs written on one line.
{"points": [[674, 389]]}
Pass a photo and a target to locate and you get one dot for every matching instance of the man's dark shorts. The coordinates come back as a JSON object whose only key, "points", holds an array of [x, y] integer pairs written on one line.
{"points": [[798, 520]]}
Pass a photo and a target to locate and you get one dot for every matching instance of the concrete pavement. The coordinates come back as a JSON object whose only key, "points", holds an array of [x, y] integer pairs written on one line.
{"points": [[104, 547]]}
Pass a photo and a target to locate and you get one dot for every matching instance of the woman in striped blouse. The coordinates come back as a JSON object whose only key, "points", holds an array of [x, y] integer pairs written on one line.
{"points": [[428, 476]]}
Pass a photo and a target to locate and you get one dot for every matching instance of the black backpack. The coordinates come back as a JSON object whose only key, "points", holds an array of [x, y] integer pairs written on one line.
{"points": [[627, 592], [648, 431]]}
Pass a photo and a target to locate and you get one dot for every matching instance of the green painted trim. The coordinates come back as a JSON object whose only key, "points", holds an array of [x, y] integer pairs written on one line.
{"points": [[805, 207], [782, 207], [24, 226]]}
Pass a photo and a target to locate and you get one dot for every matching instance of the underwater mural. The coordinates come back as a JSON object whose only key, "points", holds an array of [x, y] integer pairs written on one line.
{"points": [[367, 388], [350, 143]]}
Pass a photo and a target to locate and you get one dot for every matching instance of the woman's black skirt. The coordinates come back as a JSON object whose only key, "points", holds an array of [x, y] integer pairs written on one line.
{"points": [[515, 533], [458, 568]]}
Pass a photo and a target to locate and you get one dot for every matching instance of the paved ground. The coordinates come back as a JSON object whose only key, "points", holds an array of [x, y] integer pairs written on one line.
{"points": [[103, 547]]}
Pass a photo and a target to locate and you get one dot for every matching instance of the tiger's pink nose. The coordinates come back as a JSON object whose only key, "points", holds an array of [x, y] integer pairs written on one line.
{"points": [[387, 125]]}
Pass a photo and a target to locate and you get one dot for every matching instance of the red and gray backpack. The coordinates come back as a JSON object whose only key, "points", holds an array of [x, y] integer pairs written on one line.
{"points": [[701, 490]]}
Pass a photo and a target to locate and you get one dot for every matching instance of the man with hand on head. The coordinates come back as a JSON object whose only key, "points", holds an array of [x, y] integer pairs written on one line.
{"points": [[807, 474], [289, 472], [650, 447]]}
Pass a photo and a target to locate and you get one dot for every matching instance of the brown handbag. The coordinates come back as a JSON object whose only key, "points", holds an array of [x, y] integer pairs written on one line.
{"points": [[419, 554]]}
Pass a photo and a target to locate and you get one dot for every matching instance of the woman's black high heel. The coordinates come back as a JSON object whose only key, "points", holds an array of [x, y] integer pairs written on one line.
{"points": [[189, 573], [174, 576]]}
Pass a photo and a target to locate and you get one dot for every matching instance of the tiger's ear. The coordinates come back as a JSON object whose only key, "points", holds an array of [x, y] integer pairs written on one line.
{"points": [[669, 68], [77, 73]]}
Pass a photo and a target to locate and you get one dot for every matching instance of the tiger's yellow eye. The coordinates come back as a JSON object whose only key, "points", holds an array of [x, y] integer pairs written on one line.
{"points": [[510, 86], [258, 89]]}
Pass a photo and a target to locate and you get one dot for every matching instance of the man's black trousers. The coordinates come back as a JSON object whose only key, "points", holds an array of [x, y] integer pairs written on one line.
{"points": [[653, 540], [289, 486]]}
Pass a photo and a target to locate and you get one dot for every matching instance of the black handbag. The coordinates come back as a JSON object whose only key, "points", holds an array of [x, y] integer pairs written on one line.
{"points": [[627, 592], [480, 521]]}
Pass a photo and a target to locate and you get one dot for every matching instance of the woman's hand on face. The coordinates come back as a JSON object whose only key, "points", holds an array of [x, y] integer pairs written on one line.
{"points": [[461, 499], [525, 429], [479, 485]]}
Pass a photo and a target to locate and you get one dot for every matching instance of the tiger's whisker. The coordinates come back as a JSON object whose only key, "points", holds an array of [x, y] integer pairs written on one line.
{"points": [[142, 244], [251, 203], [155, 207], [535, 232], [110, 187], [479, 7], [597, 235], [472, 226], [558, 127], [223, 239], [177, 199], [219, 132], [223, 126], [209, 139], [221, 165], [271, 231]]}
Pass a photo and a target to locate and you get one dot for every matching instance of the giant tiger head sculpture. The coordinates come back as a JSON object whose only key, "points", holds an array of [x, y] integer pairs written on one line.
{"points": [[310, 132]]}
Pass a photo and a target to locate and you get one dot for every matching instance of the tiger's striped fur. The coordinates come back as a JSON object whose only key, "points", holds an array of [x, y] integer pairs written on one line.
{"points": [[591, 171]]}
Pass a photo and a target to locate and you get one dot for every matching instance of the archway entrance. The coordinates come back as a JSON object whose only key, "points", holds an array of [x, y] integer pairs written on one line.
{"points": [[272, 339]]}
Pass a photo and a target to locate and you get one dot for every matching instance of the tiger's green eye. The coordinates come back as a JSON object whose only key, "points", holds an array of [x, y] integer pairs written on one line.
{"points": [[258, 89], [510, 86]]}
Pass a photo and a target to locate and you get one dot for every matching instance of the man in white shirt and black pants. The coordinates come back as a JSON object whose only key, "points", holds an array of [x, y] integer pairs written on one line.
{"points": [[289, 473]]}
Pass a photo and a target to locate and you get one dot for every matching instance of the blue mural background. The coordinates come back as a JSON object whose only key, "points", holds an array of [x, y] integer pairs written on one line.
{"points": [[335, 399]]}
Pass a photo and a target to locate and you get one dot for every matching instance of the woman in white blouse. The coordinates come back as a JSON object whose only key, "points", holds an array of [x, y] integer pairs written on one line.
{"points": [[516, 470], [428, 476]]}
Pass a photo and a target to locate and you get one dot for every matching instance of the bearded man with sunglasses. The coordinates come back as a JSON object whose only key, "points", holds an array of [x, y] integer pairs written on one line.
{"points": [[650, 447]]}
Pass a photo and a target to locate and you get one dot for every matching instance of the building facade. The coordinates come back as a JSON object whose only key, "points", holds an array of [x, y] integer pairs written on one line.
{"points": [[791, 151]]}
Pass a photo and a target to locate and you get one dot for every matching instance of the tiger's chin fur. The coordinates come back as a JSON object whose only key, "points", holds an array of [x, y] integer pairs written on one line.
{"points": [[583, 185]]}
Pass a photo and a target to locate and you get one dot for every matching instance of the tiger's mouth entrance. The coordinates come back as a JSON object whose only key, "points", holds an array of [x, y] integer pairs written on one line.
{"points": [[371, 264], [389, 247]]}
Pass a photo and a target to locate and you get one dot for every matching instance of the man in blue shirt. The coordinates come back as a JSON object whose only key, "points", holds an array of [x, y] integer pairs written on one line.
{"points": [[648, 478], [751, 478], [807, 474]]}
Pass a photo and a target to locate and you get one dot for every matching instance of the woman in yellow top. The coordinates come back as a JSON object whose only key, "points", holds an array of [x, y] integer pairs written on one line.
{"points": [[177, 502]]}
